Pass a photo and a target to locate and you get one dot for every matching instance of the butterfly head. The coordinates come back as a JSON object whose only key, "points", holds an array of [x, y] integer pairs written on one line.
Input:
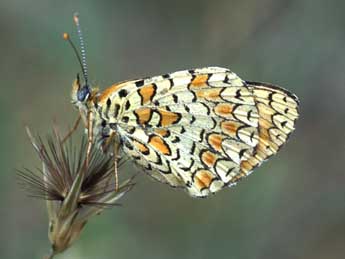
{"points": [[80, 94]]}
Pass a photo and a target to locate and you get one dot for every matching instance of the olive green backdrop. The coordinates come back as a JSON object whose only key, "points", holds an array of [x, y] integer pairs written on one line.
{"points": [[292, 206]]}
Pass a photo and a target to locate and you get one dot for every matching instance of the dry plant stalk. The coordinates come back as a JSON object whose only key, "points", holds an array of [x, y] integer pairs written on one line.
{"points": [[74, 192]]}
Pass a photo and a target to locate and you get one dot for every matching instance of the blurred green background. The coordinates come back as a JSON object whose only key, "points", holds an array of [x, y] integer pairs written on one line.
{"points": [[292, 206]]}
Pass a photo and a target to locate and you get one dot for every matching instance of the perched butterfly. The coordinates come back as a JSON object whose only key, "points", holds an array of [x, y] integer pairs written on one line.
{"points": [[200, 129]]}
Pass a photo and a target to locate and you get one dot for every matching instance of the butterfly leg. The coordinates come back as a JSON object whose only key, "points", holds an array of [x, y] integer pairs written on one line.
{"points": [[116, 146], [75, 126], [105, 145], [116, 177], [89, 136]]}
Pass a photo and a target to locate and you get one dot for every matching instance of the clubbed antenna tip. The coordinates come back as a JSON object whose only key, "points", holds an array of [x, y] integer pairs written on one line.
{"points": [[65, 36], [76, 18]]}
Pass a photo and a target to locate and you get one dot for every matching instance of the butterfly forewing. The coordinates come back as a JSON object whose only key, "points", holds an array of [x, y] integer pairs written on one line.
{"points": [[201, 129]]}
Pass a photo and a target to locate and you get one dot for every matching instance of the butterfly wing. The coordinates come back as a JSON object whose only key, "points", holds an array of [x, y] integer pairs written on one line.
{"points": [[198, 129], [278, 112]]}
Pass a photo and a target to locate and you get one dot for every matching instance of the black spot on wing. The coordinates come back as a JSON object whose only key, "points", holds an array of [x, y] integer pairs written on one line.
{"points": [[249, 114], [127, 105], [131, 130], [139, 83], [108, 104], [148, 167], [175, 98], [128, 145], [239, 95], [193, 148], [192, 119], [176, 140], [241, 153], [116, 110], [195, 98], [123, 93], [159, 160], [171, 81], [226, 79], [202, 132]]}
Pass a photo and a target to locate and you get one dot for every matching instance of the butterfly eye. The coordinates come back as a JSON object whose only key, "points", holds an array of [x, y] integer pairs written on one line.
{"points": [[83, 93]]}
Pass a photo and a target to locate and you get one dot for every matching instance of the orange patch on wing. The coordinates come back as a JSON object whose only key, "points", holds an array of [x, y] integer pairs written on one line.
{"points": [[203, 179], [268, 148], [162, 132], [266, 140], [168, 118], [215, 140], [230, 127], [199, 80], [209, 93], [147, 92], [238, 177], [159, 144], [208, 158], [260, 153], [223, 109], [254, 161], [143, 115], [264, 136], [142, 148], [246, 167], [265, 123]]}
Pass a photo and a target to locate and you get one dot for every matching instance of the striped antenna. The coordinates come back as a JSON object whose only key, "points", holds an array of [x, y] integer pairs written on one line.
{"points": [[82, 47]]}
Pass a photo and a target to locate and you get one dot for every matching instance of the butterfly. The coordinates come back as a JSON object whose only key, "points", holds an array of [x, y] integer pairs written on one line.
{"points": [[200, 129]]}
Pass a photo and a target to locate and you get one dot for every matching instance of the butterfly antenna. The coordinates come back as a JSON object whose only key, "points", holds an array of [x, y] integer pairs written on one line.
{"points": [[82, 47], [66, 37]]}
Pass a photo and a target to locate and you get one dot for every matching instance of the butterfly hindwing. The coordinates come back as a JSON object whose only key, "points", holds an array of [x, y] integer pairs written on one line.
{"points": [[278, 112]]}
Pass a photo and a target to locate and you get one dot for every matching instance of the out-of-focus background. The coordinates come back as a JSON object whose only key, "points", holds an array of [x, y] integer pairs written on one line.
{"points": [[292, 206]]}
